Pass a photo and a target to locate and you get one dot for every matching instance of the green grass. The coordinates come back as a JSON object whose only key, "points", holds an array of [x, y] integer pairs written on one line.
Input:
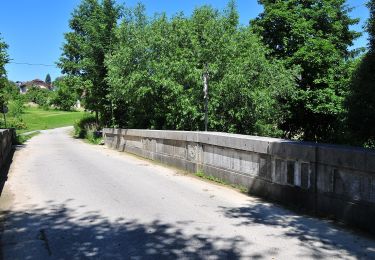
{"points": [[21, 139], [204, 176], [39, 119], [92, 139]]}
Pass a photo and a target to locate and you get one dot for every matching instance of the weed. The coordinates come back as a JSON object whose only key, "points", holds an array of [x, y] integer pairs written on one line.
{"points": [[92, 137], [203, 175], [23, 138]]}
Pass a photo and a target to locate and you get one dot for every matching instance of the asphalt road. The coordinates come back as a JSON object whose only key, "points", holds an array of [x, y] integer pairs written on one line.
{"points": [[65, 199]]}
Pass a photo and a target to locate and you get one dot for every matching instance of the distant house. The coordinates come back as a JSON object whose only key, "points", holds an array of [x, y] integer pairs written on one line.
{"points": [[24, 86]]}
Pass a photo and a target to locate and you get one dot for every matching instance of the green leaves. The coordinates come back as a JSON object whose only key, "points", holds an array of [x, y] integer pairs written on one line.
{"points": [[370, 26], [361, 98], [67, 92], [156, 74], [315, 36], [287, 74], [93, 23], [4, 59]]}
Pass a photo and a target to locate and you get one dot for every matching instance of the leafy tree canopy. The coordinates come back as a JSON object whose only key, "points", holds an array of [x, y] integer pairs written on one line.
{"points": [[92, 37], [155, 74], [290, 73], [67, 92], [361, 99], [314, 35], [4, 59]]}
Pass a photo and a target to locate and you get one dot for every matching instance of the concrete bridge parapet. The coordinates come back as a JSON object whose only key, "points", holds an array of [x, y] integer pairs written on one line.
{"points": [[327, 180], [7, 137]]}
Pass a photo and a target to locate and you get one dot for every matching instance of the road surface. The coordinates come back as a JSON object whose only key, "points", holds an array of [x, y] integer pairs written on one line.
{"points": [[65, 199]]}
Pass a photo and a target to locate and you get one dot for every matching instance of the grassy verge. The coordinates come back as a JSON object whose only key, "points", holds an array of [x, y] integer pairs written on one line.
{"points": [[34, 119], [21, 139], [87, 128], [38, 119], [92, 139], [204, 176]]}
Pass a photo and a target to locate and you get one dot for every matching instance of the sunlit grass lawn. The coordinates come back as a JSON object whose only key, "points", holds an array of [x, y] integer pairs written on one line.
{"points": [[39, 119]]}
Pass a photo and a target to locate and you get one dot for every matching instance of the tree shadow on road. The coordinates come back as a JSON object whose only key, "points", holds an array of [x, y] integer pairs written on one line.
{"points": [[59, 232], [4, 170], [316, 235]]}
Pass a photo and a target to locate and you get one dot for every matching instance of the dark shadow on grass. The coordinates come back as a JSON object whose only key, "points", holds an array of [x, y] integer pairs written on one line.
{"points": [[316, 235], [60, 233]]}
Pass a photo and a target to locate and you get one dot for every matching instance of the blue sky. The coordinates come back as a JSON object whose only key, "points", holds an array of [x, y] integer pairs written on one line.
{"points": [[34, 29]]}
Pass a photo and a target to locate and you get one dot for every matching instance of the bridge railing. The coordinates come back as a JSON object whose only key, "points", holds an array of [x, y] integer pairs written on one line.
{"points": [[7, 137], [328, 180]]}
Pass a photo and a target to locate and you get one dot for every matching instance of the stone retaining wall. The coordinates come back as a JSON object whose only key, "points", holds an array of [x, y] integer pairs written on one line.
{"points": [[334, 181], [6, 139]]}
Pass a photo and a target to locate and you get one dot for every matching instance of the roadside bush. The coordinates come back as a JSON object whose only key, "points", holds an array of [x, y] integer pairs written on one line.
{"points": [[10, 91], [93, 136], [84, 126], [14, 122], [23, 138], [87, 128]]}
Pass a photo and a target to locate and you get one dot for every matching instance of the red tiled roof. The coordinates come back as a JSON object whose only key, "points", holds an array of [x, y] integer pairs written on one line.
{"points": [[36, 82]]}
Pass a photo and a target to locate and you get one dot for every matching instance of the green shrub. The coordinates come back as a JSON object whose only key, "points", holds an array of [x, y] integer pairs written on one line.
{"points": [[15, 108], [21, 139], [65, 96], [14, 122], [42, 97], [84, 126], [92, 136], [87, 128]]}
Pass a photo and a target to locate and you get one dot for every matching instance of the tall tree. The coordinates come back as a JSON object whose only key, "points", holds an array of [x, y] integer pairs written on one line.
{"points": [[48, 79], [156, 74], [4, 59], [93, 23], [361, 101], [65, 96], [314, 35], [371, 26]]}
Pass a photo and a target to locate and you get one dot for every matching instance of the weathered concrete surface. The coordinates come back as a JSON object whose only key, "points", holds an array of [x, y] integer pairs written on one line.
{"points": [[70, 200], [327, 180], [6, 139]]}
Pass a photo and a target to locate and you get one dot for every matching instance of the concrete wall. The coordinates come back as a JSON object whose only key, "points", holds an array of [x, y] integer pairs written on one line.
{"points": [[334, 181], [6, 139]]}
